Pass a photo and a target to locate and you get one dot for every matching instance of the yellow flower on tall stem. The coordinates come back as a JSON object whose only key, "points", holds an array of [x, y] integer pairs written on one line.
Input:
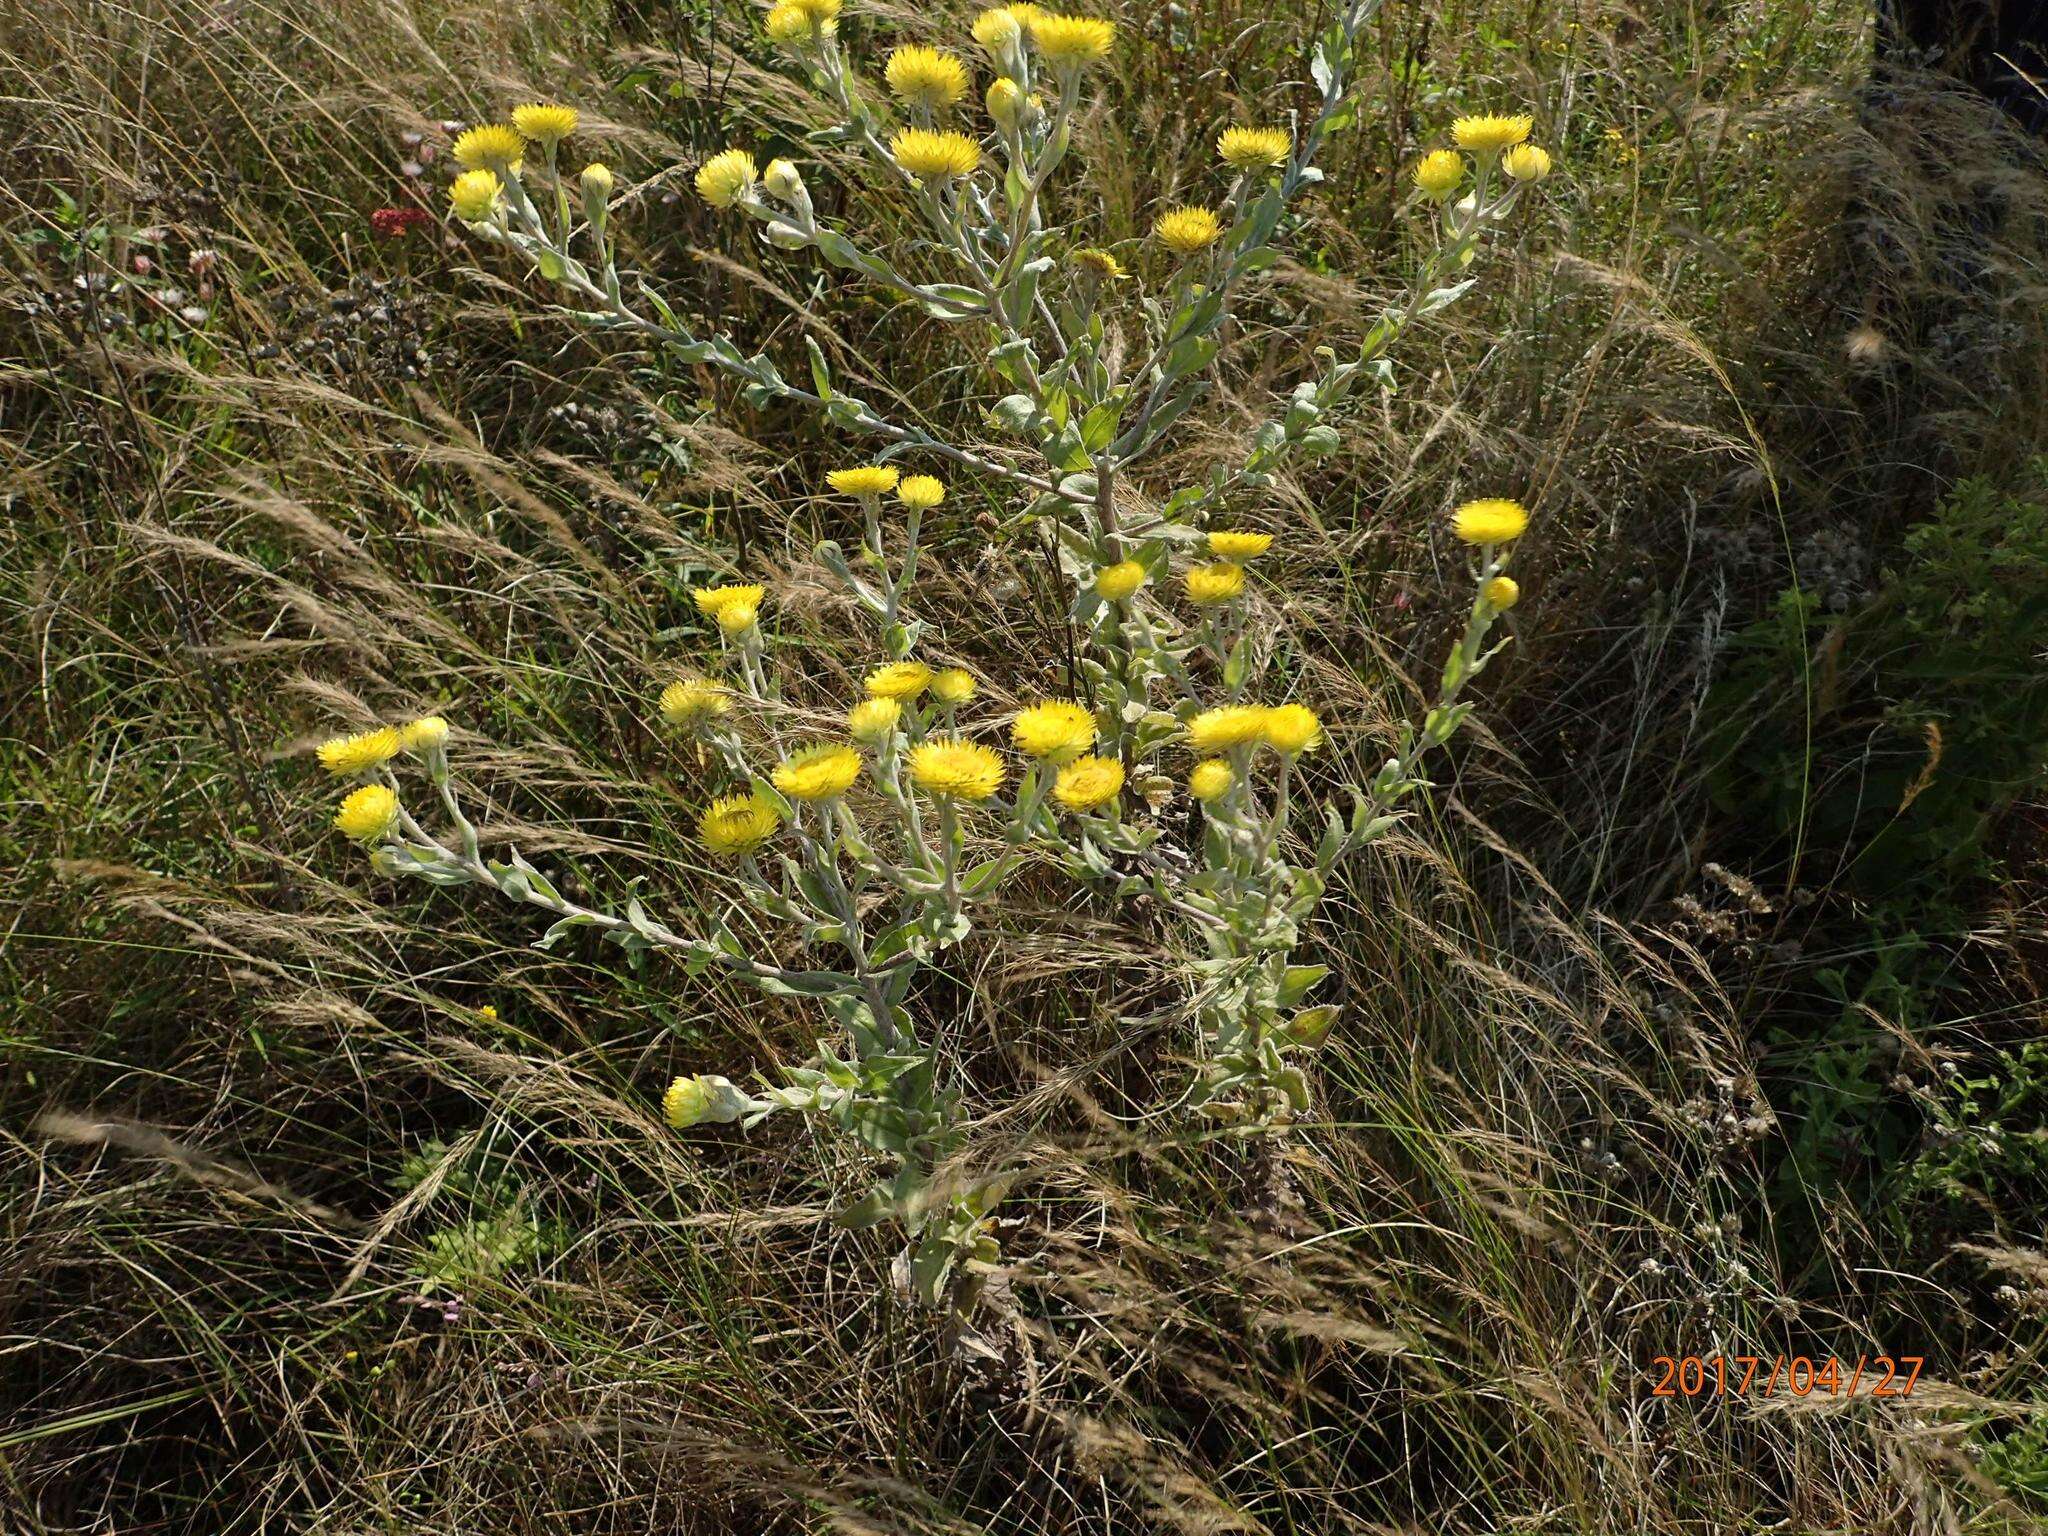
{"points": [[1217, 582], [1249, 149], [1491, 520], [864, 480], [926, 77], [367, 813], [544, 123], [1489, 135], [818, 773], [1088, 783], [935, 156], [350, 755], [958, 770], [1187, 231], [899, 680], [724, 180], [736, 825], [1225, 726], [1054, 730]]}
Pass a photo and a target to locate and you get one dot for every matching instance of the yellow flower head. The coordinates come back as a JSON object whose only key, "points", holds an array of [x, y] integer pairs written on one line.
{"points": [[871, 721], [867, 480], [1005, 103], [1490, 135], [1502, 593], [963, 770], [1440, 173], [544, 123], [1088, 783], [1097, 263], [921, 492], [1527, 162], [713, 601], [737, 618], [1073, 40], [596, 180], [1054, 730], [1494, 520], [1217, 582], [954, 686], [1186, 231], [1236, 544], [823, 12], [1246, 149], [997, 29], [737, 825], [932, 156], [691, 701], [1114, 583], [791, 25], [818, 773], [1291, 729], [1227, 725], [490, 147], [488, 1014], [724, 179], [423, 734], [899, 680], [685, 1102], [926, 77], [474, 195], [351, 755], [367, 813], [1211, 777]]}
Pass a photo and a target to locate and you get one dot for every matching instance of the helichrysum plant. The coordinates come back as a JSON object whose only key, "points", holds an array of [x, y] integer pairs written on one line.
{"points": [[878, 843]]}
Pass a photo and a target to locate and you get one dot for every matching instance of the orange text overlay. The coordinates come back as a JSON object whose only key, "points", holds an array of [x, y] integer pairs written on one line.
{"points": [[1784, 1376]]}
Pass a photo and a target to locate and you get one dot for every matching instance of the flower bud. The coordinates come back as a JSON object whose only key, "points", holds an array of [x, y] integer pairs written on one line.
{"points": [[783, 180], [1005, 104]]}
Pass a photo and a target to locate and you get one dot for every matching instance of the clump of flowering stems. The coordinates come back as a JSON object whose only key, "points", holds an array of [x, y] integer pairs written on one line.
{"points": [[875, 846]]}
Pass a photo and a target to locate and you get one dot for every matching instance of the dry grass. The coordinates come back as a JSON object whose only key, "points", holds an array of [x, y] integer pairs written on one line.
{"points": [[1438, 1315]]}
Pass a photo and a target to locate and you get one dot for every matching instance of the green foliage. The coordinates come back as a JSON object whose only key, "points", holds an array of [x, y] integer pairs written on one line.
{"points": [[1986, 1150], [1928, 706]]}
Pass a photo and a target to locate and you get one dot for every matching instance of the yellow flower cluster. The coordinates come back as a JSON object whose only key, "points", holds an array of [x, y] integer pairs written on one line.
{"points": [[691, 701], [800, 23], [1492, 520], [725, 179], [1289, 729], [1068, 40], [348, 756], [818, 773], [1489, 134], [1249, 149], [926, 77], [490, 147], [1054, 730], [1440, 173], [544, 123], [872, 721], [367, 813], [1187, 231], [901, 681], [735, 609], [1115, 583], [736, 825], [954, 769], [474, 195], [921, 492], [1217, 582], [866, 480], [931, 155], [953, 686], [1088, 783]]}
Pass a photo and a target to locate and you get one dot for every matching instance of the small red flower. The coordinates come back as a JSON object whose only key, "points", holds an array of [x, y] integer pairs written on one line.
{"points": [[394, 223]]}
